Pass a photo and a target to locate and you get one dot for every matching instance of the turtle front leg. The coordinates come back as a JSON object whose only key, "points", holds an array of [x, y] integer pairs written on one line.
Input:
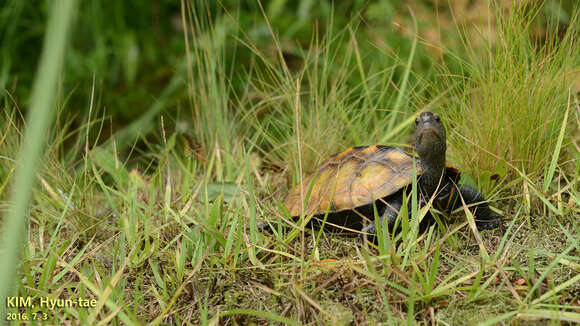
{"points": [[485, 218], [389, 215]]}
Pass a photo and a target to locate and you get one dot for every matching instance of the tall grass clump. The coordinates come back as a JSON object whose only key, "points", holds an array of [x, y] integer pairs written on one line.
{"points": [[210, 91], [291, 114], [508, 111], [339, 97]]}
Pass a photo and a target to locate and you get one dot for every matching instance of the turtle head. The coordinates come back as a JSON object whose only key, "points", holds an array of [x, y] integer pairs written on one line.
{"points": [[430, 141]]}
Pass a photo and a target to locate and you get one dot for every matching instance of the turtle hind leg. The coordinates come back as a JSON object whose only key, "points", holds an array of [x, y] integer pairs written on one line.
{"points": [[485, 218]]}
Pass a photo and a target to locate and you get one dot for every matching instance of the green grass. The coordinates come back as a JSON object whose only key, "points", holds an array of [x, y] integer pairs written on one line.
{"points": [[515, 98], [162, 228]]}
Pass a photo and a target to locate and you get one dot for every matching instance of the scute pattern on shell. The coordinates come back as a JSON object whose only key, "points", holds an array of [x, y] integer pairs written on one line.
{"points": [[355, 177]]}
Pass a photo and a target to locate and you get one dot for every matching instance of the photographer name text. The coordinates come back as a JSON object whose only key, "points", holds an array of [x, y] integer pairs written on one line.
{"points": [[50, 303]]}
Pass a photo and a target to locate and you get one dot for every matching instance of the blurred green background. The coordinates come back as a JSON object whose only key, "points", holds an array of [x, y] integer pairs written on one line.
{"points": [[129, 51]]}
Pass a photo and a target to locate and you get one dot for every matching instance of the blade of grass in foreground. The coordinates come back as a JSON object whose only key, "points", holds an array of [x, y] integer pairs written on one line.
{"points": [[40, 118]]}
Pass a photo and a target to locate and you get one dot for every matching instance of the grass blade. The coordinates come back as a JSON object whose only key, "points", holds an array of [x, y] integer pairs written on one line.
{"points": [[556, 154], [40, 119], [405, 80]]}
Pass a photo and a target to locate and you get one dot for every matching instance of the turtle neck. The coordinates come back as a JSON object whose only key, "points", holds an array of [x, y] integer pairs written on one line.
{"points": [[432, 166]]}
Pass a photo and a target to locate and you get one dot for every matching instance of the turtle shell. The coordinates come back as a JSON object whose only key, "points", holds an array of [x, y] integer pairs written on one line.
{"points": [[356, 177]]}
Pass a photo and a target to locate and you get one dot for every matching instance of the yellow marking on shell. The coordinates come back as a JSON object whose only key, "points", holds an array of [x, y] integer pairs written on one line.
{"points": [[296, 195], [348, 151], [344, 156], [369, 151], [329, 187], [398, 157]]}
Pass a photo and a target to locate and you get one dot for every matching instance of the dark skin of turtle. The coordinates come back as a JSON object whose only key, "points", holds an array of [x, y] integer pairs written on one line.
{"points": [[436, 180]]}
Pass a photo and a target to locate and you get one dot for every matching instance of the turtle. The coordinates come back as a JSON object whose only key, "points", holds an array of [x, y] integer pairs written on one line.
{"points": [[348, 186]]}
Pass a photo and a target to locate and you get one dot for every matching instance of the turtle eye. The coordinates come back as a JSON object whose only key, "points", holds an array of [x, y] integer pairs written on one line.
{"points": [[437, 118], [417, 120]]}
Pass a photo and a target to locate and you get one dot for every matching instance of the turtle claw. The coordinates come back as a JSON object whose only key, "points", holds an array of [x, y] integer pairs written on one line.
{"points": [[368, 233], [492, 223]]}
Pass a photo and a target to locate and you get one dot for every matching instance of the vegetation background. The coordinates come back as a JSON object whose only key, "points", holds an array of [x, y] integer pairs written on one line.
{"points": [[179, 126]]}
